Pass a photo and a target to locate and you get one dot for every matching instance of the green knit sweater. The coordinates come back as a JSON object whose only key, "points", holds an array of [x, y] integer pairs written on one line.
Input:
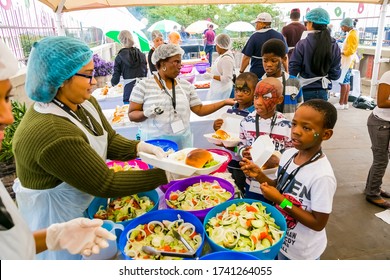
{"points": [[50, 149]]}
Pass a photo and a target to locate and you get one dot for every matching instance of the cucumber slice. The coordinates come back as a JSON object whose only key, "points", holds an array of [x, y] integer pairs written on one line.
{"points": [[243, 231], [257, 223]]}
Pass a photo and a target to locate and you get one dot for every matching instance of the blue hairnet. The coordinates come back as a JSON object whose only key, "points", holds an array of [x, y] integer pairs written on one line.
{"points": [[52, 61], [166, 50], [348, 22], [318, 16]]}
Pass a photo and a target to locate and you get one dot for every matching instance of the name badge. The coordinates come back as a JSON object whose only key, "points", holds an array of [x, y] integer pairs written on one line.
{"points": [[177, 126], [255, 187]]}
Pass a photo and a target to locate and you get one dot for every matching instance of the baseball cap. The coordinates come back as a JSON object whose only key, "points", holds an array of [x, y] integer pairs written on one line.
{"points": [[262, 17], [296, 10]]}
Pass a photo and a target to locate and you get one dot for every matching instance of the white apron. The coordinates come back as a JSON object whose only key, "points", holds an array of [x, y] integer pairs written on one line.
{"points": [[16, 243], [41, 208], [346, 62], [218, 90]]}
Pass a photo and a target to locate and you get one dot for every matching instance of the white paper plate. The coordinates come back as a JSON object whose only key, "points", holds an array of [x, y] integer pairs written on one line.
{"points": [[112, 93], [212, 140], [231, 123], [262, 150], [175, 163]]}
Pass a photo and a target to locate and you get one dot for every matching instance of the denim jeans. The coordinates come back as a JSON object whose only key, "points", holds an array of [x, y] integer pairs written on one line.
{"points": [[315, 94], [379, 131], [209, 50]]}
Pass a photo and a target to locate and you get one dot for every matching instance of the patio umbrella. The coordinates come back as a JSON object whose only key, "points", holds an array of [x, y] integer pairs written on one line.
{"points": [[140, 39], [199, 26], [240, 26], [164, 25]]}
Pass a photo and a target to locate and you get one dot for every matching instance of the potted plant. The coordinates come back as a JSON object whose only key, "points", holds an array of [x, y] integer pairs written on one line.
{"points": [[7, 162], [237, 46], [103, 70]]}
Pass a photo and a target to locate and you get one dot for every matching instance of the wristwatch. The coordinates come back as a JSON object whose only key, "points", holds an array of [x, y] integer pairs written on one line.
{"points": [[286, 203]]}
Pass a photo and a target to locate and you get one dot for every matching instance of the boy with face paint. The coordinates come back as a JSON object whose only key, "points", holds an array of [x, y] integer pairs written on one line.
{"points": [[265, 120], [304, 189], [274, 56], [244, 89]]}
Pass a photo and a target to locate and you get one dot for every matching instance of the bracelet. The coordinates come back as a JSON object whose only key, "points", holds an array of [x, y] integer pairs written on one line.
{"points": [[286, 203]]}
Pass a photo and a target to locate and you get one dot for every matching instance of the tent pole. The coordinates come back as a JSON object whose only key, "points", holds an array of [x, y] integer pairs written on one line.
{"points": [[378, 50], [59, 24]]}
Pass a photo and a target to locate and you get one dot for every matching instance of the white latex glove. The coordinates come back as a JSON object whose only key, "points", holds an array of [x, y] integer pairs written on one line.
{"points": [[150, 111], [151, 149], [208, 76], [78, 236]]}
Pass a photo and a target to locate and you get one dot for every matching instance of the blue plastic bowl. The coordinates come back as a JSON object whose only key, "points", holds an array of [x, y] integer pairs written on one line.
{"points": [[182, 185], [164, 144], [266, 254], [230, 255], [160, 215], [98, 201]]}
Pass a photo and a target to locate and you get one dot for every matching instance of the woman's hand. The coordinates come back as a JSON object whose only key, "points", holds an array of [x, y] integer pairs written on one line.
{"points": [[246, 153], [230, 101]]}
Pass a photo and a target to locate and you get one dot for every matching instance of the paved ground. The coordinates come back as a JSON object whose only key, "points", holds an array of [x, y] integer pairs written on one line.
{"points": [[354, 232]]}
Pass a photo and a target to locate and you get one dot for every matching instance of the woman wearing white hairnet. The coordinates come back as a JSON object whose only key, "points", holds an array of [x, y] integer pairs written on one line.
{"points": [[222, 70], [62, 143], [157, 39], [162, 104], [130, 63], [17, 242]]}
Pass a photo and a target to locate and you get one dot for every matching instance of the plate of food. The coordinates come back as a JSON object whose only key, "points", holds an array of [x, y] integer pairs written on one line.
{"points": [[187, 162], [120, 117], [222, 137], [108, 92], [202, 85]]}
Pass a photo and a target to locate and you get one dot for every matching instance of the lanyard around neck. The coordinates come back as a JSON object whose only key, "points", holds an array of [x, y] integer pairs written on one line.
{"points": [[64, 107], [283, 184], [173, 97], [273, 121]]}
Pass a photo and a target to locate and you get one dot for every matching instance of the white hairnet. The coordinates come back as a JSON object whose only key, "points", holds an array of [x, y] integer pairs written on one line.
{"points": [[8, 63], [166, 50], [223, 41], [156, 34]]}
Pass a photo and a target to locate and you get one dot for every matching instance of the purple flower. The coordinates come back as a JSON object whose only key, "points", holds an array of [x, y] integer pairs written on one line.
{"points": [[102, 67]]}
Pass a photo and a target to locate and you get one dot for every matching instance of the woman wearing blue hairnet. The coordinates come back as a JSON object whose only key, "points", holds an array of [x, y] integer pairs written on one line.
{"points": [[17, 242], [316, 59], [163, 103], [348, 54], [63, 141]]}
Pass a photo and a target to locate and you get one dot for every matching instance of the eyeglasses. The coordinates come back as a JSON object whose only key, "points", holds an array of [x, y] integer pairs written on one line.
{"points": [[175, 62], [90, 77]]}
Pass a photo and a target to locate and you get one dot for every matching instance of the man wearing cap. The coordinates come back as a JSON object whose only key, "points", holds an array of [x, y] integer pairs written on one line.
{"points": [[293, 31], [252, 49]]}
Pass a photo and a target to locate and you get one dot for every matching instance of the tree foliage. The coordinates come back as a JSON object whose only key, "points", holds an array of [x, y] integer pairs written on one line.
{"points": [[222, 15]]}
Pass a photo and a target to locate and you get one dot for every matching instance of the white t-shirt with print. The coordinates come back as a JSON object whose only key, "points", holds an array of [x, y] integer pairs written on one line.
{"points": [[313, 190]]}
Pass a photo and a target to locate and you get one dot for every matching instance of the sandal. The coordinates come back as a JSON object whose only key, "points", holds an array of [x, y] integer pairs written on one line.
{"points": [[385, 204], [384, 194]]}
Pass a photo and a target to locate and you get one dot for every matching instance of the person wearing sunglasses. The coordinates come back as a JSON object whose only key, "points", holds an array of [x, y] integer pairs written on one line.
{"points": [[17, 242], [63, 141]]}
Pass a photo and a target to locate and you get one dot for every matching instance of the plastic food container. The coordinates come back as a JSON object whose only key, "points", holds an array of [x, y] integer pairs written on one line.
{"points": [[164, 144], [187, 68], [135, 162], [222, 153], [265, 254], [230, 255], [188, 77], [182, 185], [99, 201], [160, 215], [201, 67]]}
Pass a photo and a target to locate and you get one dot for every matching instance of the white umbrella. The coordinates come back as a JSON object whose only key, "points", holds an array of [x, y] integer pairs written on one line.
{"points": [[199, 26], [164, 25], [240, 26]]}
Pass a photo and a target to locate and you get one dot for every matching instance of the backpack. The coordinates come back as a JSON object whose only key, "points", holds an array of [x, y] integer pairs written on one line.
{"points": [[364, 102]]}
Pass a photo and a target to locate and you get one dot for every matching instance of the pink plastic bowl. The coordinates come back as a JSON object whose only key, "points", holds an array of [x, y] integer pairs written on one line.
{"points": [[187, 68], [189, 77], [142, 165], [224, 165], [201, 67]]}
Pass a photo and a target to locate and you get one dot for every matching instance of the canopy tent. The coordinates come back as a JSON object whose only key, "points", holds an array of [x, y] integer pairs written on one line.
{"points": [[59, 6]]}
